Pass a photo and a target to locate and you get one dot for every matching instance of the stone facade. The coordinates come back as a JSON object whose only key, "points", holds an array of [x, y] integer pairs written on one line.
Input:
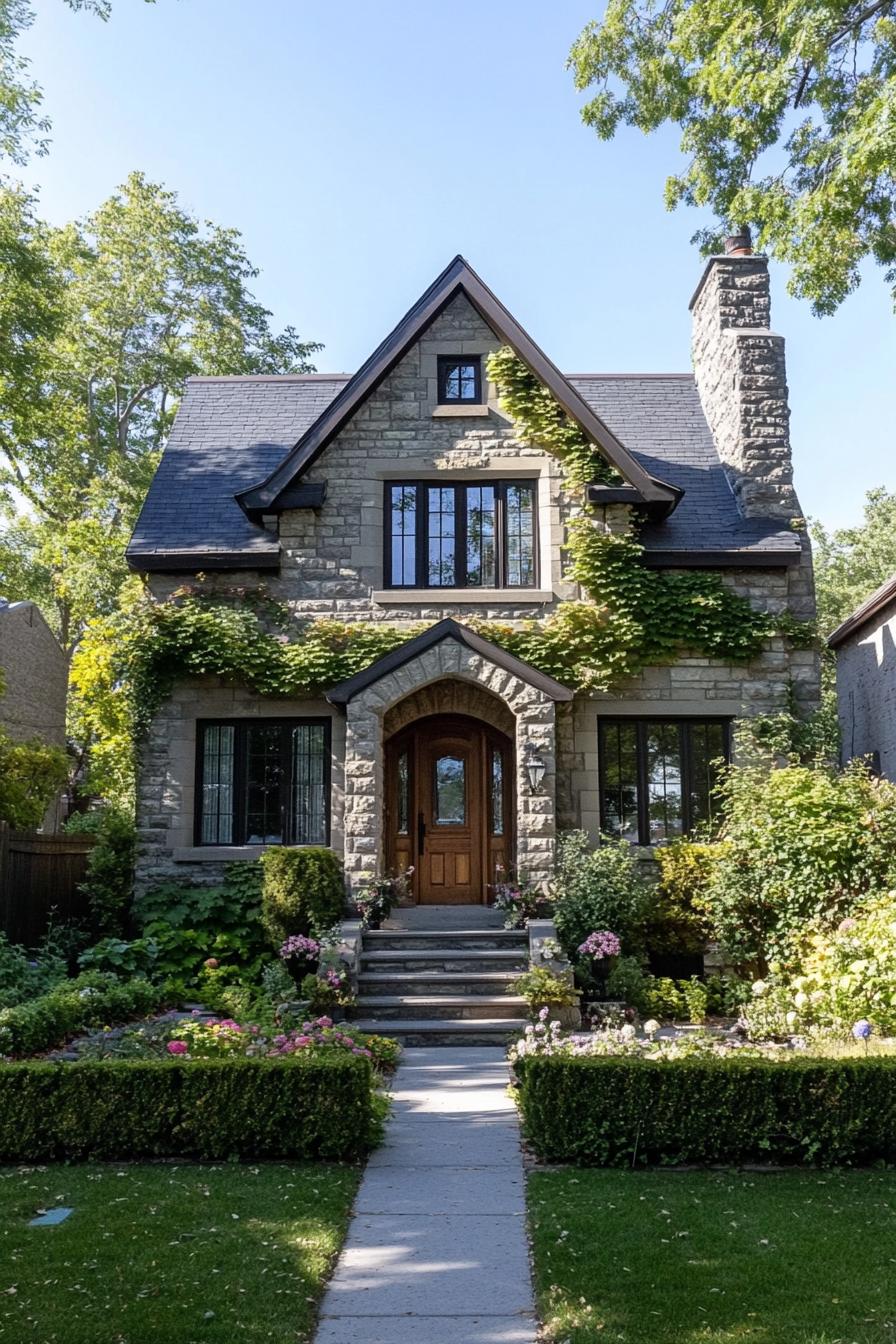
{"points": [[34, 671], [742, 380], [866, 690], [332, 565]]}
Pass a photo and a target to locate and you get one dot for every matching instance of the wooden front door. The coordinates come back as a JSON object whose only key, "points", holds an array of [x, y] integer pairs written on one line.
{"points": [[448, 813]]}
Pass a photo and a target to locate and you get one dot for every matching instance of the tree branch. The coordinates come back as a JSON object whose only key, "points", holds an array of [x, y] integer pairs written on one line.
{"points": [[26, 489]]}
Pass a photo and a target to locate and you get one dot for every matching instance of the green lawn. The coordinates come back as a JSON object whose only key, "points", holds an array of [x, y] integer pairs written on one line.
{"points": [[169, 1254], [667, 1258]]}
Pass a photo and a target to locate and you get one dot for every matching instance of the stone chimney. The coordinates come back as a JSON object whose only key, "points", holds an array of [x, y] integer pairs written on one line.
{"points": [[742, 380]]}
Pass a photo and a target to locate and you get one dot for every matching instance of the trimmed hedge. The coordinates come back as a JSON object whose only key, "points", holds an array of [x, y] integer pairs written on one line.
{"points": [[617, 1111], [91, 1000], [318, 1107]]}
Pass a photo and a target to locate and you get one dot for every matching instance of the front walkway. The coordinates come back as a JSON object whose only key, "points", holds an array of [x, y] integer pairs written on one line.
{"points": [[437, 1250]]}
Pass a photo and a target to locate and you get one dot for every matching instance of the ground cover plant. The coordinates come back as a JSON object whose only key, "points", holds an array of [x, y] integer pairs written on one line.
{"points": [[715, 1257], [170, 1254]]}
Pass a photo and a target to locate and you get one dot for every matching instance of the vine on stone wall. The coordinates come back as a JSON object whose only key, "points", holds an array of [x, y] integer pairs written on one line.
{"points": [[633, 615]]}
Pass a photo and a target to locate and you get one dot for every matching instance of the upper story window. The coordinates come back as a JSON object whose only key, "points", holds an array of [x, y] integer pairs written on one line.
{"points": [[657, 776], [462, 535], [459, 379], [263, 782]]}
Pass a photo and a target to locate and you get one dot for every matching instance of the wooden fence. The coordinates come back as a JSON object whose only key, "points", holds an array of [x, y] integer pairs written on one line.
{"points": [[39, 876]]}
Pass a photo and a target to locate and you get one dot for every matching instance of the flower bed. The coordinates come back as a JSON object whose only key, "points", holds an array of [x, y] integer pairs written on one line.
{"points": [[312, 1105], [706, 1106], [90, 1000]]}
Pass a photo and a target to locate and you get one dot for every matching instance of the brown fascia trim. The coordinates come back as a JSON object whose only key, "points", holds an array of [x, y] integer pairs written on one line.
{"points": [[457, 277], [755, 559], [880, 598], [195, 562], [346, 690]]}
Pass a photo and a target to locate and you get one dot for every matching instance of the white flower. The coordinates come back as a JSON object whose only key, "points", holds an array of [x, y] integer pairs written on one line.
{"points": [[651, 1027], [791, 1019], [759, 988], [627, 1033], [801, 999]]}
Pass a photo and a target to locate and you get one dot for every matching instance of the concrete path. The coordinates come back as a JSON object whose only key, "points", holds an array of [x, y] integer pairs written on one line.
{"points": [[437, 1251]]}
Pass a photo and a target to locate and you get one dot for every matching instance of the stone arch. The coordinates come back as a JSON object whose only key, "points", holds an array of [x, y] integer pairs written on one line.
{"points": [[450, 696], [532, 730]]}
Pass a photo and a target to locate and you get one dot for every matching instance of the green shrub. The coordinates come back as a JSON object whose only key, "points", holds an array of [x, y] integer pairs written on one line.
{"points": [[90, 1000], [31, 774], [303, 891], [598, 888], [109, 879], [845, 974], [539, 986], [620, 1111], [24, 975], [800, 845], [679, 920], [213, 1109], [183, 926]]}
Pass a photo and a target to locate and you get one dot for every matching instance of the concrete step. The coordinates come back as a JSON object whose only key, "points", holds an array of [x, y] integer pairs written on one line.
{"points": [[435, 982], [457, 960], [376, 940], [435, 1031], [449, 1007]]}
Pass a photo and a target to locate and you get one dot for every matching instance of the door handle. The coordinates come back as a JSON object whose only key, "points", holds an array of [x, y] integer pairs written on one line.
{"points": [[421, 834]]}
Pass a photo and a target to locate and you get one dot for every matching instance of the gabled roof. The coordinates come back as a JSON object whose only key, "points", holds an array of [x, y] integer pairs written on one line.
{"points": [[231, 431], [458, 277], [881, 597], [447, 629]]}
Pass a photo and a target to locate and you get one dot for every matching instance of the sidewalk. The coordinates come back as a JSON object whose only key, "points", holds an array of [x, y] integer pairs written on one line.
{"points": [[436, 1251]]}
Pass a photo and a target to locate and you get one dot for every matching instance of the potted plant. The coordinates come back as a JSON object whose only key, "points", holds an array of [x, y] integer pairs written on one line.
{"points": [[596, 957], [300, 955], [375, 901], [519, 902], [541, 988], [328, 992]]}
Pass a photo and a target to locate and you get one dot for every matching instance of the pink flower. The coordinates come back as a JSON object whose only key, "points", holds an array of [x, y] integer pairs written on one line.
{"points": [[177, 1047], [324, 1022], [212, 963]]}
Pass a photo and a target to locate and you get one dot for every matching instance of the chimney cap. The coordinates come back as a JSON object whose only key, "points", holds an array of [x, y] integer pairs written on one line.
{"points": [[739, 244]]}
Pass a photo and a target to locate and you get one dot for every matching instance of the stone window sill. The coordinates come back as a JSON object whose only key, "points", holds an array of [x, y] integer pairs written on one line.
{"points": [[222, 853], [468, 597], [466, 408]]}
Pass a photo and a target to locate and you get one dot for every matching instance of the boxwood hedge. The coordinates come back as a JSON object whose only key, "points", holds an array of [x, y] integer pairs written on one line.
{"points": [[304, 1107], [617, 1111]]}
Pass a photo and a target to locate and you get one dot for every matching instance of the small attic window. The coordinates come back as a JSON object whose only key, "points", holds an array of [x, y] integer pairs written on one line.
{"points": [[460, 379]]}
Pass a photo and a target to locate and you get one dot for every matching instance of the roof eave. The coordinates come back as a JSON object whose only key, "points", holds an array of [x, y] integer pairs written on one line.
{"points": [[881, 597], [194, 562]]}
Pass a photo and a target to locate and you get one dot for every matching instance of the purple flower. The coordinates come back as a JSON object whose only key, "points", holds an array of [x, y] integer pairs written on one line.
{"points": [[862, 1029], [177, 1047], [602, 943], [300, 946]]}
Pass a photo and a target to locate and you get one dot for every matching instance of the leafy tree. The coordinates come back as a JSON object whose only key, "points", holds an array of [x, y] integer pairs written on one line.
{"points": [[31, 774], [851, 562], [787, 114], [142, 296]]}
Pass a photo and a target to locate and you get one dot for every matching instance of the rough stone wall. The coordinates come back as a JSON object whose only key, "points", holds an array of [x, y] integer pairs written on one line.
{"points": [[533, 714], [742, 380], [332, 559], [35, 674], [866, 691], [166, 779]]}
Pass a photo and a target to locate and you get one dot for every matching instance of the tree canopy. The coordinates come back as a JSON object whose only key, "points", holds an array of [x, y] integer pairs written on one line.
{"points": [[851, 562], [787, 110]]}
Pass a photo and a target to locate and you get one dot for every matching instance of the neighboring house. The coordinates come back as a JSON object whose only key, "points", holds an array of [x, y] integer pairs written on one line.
{"points": [[348, 497], [865, 645], [33, 683]]}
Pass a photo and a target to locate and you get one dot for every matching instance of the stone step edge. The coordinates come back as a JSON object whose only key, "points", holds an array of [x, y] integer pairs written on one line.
{"points": [[520, 935], [445, 954], [440, 977], [370, 1001], [401, 1026]]}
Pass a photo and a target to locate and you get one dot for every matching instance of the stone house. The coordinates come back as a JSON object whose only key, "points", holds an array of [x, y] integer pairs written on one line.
{"points": [[404, 494], [865, 644], [33, 684]]}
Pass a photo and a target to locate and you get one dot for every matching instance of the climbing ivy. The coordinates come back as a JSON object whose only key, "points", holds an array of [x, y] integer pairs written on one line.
{"points": [[540, 419], [631, 616]]}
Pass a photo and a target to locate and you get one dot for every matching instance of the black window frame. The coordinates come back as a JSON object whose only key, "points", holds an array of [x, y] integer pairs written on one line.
{"points": [[641, 724], [421, 537], [241, 725], [444, 365]]}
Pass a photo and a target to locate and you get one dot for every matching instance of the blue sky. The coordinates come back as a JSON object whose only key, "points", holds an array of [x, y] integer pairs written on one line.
{"points": [[359, 146]]}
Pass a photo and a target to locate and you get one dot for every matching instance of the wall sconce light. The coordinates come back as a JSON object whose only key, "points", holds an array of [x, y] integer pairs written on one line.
{"points": [[535, 770]]}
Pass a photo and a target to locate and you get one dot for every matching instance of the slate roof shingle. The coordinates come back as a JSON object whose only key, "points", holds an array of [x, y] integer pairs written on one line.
{"points": [[230, 433]]}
